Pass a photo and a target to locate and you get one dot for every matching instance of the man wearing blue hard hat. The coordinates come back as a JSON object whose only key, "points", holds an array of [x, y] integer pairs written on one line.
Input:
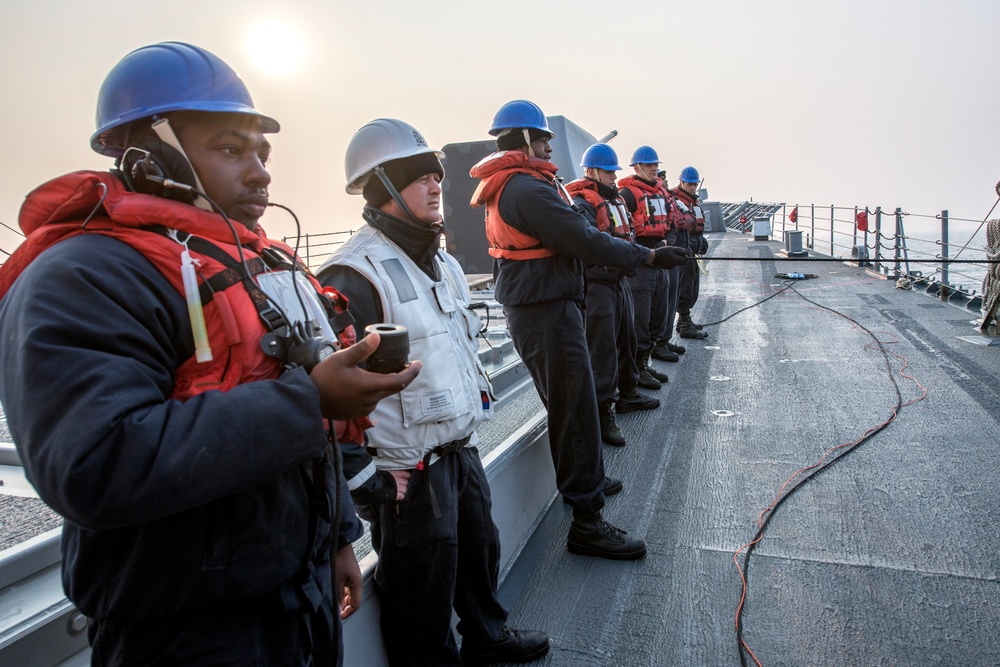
{"points": [[649, 203], [204, 522], [610, 321], [541, 246]]}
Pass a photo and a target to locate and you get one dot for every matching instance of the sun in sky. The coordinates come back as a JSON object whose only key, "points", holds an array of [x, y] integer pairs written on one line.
{"points": [[275, 48]]}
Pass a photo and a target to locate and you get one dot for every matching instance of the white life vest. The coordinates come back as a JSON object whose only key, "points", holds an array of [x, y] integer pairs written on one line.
{"points": [[444, 403]]}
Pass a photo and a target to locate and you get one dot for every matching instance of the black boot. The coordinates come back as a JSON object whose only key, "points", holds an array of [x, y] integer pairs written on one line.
{"points": [[676, 349], [512, 646], [593, 536], [662, 378], [609, 427], [646, 380], [630, 401], [664, 353], [688, 329], [612, 485]]}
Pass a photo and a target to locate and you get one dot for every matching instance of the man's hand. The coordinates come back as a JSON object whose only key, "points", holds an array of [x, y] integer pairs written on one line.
{"points": [[347, 391], [402, 478], [669, 257], [347, 587]]}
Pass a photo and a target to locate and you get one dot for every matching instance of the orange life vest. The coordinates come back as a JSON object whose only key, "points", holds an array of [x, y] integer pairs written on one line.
{"points": [[652, 210], [57, 210], [494, 171], [612, 215], [687, 214]]}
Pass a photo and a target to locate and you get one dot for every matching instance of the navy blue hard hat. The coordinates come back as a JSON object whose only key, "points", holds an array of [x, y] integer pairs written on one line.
{"points": [[644, 155], [600, 156], [160, 78], [519, 114], [690, 175]]}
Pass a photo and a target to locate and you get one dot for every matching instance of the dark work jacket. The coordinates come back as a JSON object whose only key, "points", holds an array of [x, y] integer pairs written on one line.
{"points": [[170, 506], [534, 207]]}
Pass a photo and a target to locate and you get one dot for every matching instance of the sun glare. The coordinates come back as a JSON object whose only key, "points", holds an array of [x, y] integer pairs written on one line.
{"points": [[275, 48]]}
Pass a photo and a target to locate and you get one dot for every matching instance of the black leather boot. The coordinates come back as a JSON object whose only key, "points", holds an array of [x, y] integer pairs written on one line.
{"points": [[593, 536]]}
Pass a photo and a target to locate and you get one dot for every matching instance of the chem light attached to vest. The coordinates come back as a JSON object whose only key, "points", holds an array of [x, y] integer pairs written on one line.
{"points": [[202, 349]]}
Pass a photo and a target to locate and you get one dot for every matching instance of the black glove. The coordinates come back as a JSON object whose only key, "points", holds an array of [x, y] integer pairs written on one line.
{"points": [[668, 258], [378, 490]]}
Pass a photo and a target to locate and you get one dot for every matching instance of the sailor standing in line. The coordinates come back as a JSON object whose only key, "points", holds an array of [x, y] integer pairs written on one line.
{"points": [[663, 349], [649, 203], [541, 245], [610, 321], [419, 480]]}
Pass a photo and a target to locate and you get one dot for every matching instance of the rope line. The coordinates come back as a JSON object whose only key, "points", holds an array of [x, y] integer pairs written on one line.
{"points": [[829, 457], [882, 260]]}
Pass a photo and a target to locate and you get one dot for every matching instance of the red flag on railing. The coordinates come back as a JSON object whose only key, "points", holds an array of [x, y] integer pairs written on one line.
{"points": [[794, 215], [862, 221]]}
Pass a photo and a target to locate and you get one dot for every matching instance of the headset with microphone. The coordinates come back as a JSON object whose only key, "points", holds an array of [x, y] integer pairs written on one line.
{"points": [[158, 170], [159, 166]]}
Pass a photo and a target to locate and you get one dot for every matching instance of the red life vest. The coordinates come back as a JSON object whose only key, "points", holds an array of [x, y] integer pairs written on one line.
{"points": [[57, 211], [652, 211], [688, 214], [495, 170], [612, 215]]}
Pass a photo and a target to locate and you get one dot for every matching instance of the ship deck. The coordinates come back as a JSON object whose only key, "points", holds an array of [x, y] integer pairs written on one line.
{"points": [[888, 556]]}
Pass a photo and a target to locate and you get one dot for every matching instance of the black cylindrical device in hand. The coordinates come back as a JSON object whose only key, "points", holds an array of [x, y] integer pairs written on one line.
{"points": [[393, 353]]}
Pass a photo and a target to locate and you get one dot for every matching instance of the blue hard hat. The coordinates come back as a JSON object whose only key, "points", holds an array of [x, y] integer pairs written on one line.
{"points": [[600, 156], [519, 114], [644, 155], [160, 78], [690, 175]]}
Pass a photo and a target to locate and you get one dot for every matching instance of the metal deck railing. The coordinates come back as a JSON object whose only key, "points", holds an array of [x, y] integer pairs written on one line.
{"points": [[929, 260]]}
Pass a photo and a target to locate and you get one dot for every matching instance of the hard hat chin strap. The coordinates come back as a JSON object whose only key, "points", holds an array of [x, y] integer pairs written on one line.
{"points": [[167, 135], [527, 140], [396, 197]]}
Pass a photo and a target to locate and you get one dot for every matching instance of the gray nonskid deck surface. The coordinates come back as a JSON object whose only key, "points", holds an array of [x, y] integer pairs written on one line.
{"points": [[888, 557], [24, 518]]}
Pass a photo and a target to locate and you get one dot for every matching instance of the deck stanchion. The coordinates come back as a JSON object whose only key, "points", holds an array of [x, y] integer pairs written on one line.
{"points": [[945, 278], [831, 230], [898, 245]]}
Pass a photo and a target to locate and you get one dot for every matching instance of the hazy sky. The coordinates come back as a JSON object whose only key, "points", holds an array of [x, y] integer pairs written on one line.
{"points": [[853, 102]]}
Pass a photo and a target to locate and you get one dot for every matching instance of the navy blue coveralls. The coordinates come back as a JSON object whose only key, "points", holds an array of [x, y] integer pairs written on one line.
{"points": [[543, 301], [651, 288], [610, 325]]}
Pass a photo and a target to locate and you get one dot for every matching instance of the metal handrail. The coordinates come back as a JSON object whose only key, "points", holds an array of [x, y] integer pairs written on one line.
{"points": [[888, 249]]}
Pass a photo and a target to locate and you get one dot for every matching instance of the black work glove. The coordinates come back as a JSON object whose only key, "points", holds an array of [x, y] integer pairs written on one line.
{"points": [[378, 490], [668, 258]]}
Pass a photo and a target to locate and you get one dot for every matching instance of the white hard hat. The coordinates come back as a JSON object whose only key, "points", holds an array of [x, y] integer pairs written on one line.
{"points": [[379, 142]]}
